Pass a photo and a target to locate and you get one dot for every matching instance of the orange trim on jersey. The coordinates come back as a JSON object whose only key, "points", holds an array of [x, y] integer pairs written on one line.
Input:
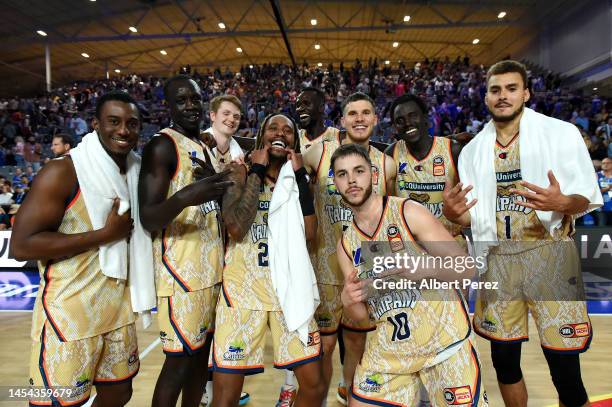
{"points": [[47, 278], [384, 174], [227, 297], [404, 220], [431, 149], [234, 367], [320, 160], [512, 140], [375, 399], [129, 376], [300, 359], [477, 377], [380, 222], [586, 341], [180, 332], [394, 152], [176, 151], [169, 266], [73, 200], [345, 249]]}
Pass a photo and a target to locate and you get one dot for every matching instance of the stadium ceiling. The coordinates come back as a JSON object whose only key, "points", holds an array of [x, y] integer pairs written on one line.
{"points": [[159, 36]]}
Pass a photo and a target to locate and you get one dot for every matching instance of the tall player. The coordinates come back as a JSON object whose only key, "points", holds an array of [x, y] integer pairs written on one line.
{"points": [[83, 329], [188, 243], [359, 118], [310, 107], [248, 304], [526, 230], [424, 163], [422, 335]]}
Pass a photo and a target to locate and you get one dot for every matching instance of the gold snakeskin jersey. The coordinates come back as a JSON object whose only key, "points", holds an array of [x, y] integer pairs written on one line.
{"points": [[330, 133], [246, 277], [333, 215], [412, 326], [423, 180], [515, 222], [189, 250], [77, 299]]}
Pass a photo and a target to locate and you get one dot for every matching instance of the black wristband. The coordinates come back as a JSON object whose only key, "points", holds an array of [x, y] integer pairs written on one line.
{"points": [[258, 169], [301, 174], [306, 198]]}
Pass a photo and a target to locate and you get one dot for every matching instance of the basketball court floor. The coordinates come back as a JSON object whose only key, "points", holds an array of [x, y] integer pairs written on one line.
{"points": [[18, 290]]}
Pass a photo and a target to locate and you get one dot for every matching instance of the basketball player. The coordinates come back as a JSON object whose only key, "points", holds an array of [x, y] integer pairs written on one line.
{"points": [[248, 303], [424, 163], [83, 326], [188, 245], [310, 107], [422, 335], [532, 253], [359, 119]]}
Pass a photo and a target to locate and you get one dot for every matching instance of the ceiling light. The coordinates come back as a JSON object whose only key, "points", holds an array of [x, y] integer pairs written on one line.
{"points": [[317, 46], [163, 52], [251, 66], [319, 64], [118, 70], [387, 62], [41, 32], [406, 19], [221, 25], [92, 0], [133, 29], [501, 14], [595, 88], [313, 21], [238, 49], [475, 41], [85, 55], [395, 44]]}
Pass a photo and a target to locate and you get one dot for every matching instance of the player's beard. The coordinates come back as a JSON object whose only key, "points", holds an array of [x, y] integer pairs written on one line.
{"points": [[366, 196], [510, 117]]}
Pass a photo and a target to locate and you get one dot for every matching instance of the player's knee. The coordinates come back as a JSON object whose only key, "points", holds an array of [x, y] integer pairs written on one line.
{"points": [[566, 376], [506, 359], [354, 341], [329, 344]]}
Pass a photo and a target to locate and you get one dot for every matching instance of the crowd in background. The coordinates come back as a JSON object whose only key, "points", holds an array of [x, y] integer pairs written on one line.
{"points": [[454, 91]]}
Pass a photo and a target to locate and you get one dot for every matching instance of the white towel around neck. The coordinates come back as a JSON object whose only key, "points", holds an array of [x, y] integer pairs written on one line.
{"points": [[545, 144], [234, 148], [292, 274], [101, 182]]}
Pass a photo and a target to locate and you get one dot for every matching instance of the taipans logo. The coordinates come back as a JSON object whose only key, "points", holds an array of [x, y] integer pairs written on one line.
{"points": [[235, 351], [575, 330], [81, 386], [456, 396], [372, 384], [314, 338], [395, 238], [438, 166], [133, 358], [324, 320], [420, 198], [208, 207], [489, 324], [331, 187]]}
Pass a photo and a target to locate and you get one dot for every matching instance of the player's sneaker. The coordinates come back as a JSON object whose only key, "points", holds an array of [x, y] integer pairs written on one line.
{"points": [[342, 395], [287, 396], [244, 399]]}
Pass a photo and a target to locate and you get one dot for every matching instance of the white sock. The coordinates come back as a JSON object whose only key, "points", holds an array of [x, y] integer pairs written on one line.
{"points": [[289, 378], [209, 389]]}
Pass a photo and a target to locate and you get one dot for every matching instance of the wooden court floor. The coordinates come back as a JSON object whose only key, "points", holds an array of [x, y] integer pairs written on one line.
{"points": [[264, 388]]}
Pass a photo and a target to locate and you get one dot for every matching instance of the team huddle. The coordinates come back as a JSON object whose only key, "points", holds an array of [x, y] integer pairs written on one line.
{"points": [[188, 228]]}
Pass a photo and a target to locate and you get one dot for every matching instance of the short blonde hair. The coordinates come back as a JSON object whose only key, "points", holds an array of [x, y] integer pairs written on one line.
{"points": [[215, 103]]}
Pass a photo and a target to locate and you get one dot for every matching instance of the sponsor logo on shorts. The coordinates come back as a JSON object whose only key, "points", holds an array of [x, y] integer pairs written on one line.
{"points": [[314, 338], [133, 358], [456, 396], [575, 330], [201, 334], [371, 384], [489, 324], [164, 338], [235, 351], [81, 386], [324, 320]]}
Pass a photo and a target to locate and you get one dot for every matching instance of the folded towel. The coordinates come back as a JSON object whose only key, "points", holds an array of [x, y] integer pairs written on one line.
{"points": [[545, 144], [292, 274], [234, 147], [101, 182]]}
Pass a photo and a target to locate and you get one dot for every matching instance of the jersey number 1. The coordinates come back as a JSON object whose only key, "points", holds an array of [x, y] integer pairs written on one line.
{"points": [[508, 234], [401, 330]]}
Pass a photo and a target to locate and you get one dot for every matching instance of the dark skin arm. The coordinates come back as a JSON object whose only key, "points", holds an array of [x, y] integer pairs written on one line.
{"points": [[158, 166], [35, 235], [240, 202]]}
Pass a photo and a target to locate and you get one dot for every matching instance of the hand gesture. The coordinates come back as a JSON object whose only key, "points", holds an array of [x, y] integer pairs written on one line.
{"points": [[260, 156], [455, 201], [208, 139], [354, 291], [297, 161], [117, 227], [206, 189], [204, 168], [542, 199]]}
